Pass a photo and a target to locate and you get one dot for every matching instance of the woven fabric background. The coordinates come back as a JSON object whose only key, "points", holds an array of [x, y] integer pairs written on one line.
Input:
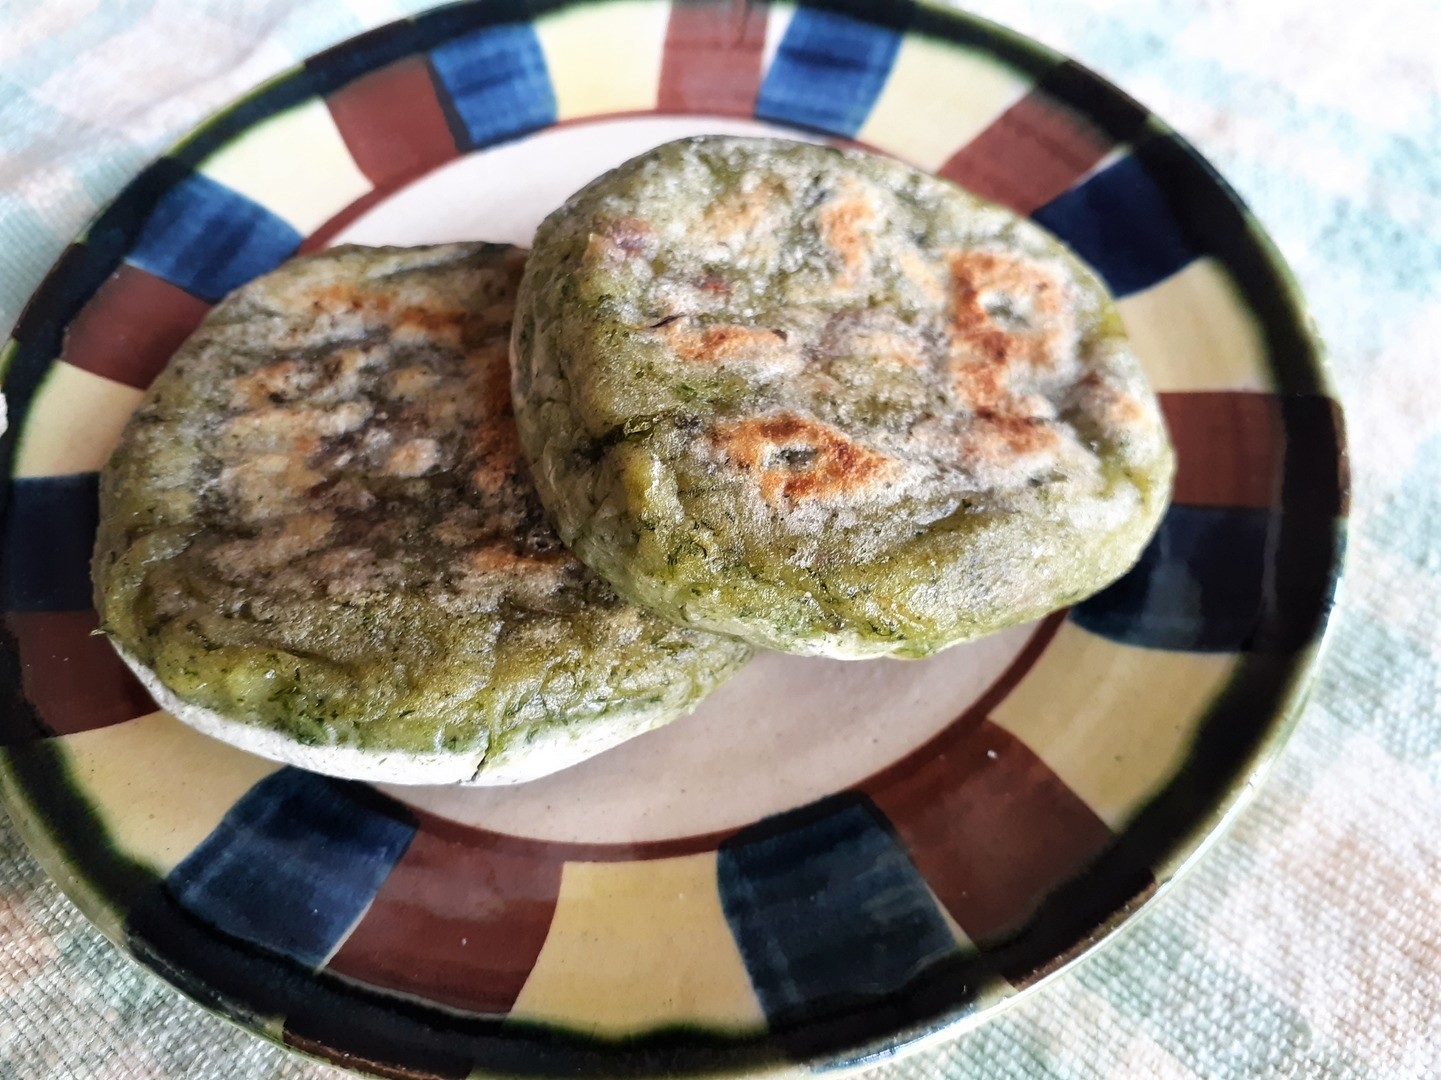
{"points": [[1308, 943]]}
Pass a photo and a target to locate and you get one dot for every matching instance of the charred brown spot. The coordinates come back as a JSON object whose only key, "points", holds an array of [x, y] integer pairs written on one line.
{"points": [[712, 283], [1109, 402], [737, 213], [725, 343], [795, 458], [496, 394], [845, 225], [630, 234], [985, 285], [281, 381], [1009, 322], [501, 556], [441, 321], [343, 297], [1015, 434], [444, 323], [620, 239], [980, 385], [495, 441]]}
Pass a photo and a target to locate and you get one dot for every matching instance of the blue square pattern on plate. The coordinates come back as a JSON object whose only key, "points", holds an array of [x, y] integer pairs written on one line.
{"points": [[1199, 586], [294, 863], [828, 72], [825, 904], [50, 528], [208, 239], [498, 84], [1121, 223]]}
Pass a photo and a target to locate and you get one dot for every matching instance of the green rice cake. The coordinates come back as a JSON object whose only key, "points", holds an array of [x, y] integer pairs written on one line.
{"points": [[319, 541], [828, 403]]}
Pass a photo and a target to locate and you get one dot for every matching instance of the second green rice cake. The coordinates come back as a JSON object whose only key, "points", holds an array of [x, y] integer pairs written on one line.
{"points": [[319, 541], [828, 403]]}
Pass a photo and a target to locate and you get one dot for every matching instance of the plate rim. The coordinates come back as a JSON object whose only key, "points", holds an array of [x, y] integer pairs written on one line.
{"points": [[1186, 849]]}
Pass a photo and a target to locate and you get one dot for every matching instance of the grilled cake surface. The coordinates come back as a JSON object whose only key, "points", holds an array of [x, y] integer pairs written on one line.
{"points": [[319, 539], [828, 403]]}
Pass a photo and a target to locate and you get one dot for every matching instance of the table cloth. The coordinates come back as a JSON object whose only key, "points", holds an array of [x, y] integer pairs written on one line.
{"points": [[1308, 942]]}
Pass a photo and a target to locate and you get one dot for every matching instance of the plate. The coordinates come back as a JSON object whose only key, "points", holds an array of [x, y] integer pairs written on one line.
{"points": [[829, 862]]}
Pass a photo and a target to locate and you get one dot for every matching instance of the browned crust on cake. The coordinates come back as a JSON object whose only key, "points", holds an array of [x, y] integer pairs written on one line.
{"points": [[355, 556], [827, 402]]}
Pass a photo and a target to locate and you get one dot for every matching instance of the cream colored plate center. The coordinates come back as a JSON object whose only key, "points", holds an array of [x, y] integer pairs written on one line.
{"points": [[784, 732]]}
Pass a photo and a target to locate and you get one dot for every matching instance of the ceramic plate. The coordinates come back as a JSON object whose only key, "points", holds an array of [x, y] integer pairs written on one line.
{"points": [[829, 861]]}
